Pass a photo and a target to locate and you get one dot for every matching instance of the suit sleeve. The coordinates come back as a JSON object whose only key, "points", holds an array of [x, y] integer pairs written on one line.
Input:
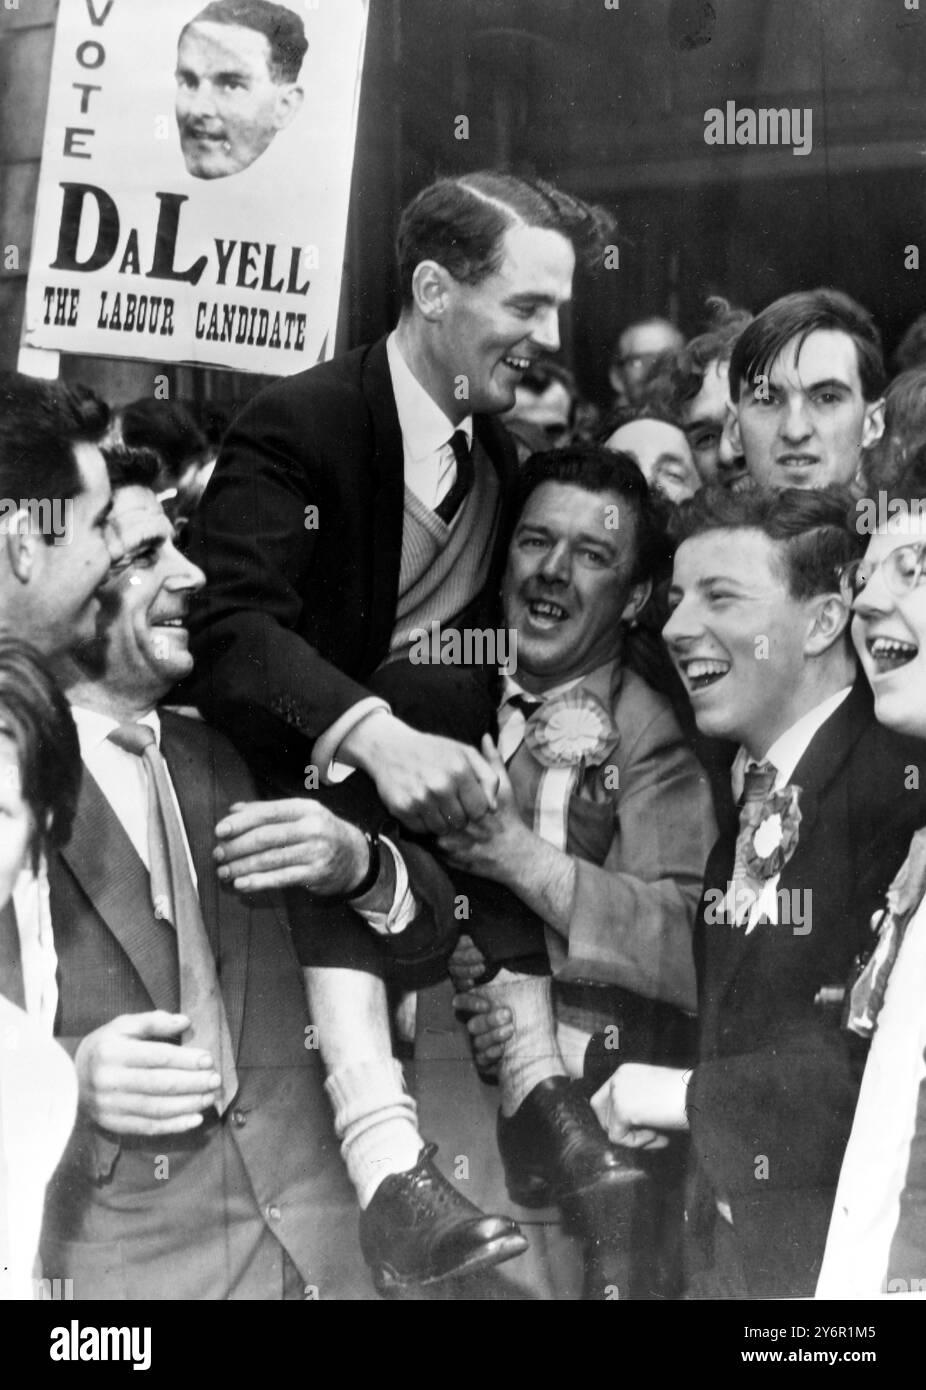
{"points": [[632, 917], [258, 678]]}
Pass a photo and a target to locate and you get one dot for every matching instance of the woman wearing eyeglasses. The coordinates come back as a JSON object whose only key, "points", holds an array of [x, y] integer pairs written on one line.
{"points": [[39, 781], [877, 1236]]}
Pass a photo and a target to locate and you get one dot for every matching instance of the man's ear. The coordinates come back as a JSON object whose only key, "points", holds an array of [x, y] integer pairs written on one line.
{"points": [[830, 618], [639, 597], [288, 105], [731, 429], [430, 289], [22, 546], [873, 423]]}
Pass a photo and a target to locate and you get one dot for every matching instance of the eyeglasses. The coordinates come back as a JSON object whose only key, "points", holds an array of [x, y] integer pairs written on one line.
{"points": [[902, 570]]}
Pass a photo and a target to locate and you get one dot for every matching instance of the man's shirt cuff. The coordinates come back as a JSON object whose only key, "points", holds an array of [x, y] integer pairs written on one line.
{"points": [[325, 749], [404, 907]]}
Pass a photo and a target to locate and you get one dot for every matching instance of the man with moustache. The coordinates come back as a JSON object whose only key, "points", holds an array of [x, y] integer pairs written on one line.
{"points": [[353, 506], [759, 633], [237, 75], [877, 1236], [807, 381]]}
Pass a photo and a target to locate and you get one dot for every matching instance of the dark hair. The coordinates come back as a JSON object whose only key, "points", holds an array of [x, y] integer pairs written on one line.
{"points": [[650, 322], [904, 439], [810, 528], [796, 316], [626, 414], [36, 717], [169, 429], [541, 375], [40, 423], [911, 350], [460, 223], [597, 469], [715, 344], [280, 26], [131, 467]]}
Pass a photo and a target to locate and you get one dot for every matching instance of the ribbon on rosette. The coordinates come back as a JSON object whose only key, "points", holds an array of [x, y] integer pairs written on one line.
{"points": [[775, 834], [567, 734]]}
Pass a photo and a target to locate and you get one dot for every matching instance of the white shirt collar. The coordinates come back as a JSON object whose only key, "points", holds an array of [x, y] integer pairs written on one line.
{"points": [[788, 749], [425, 428], [93, 728]]}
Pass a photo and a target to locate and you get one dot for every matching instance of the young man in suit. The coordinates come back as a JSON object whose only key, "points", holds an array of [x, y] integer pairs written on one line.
{"points": [[353, 506], [759, 633], [203, 1164]]}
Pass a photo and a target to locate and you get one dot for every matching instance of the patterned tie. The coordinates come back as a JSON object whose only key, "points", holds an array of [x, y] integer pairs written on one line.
{"points": [[174, 897], [903, 898], [758, 783], [450, 504]]}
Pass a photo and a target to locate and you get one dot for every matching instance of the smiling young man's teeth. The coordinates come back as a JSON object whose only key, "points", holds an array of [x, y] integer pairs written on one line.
{"points": [[518, 364], [541, 608], [703, 672], [888, 652]]}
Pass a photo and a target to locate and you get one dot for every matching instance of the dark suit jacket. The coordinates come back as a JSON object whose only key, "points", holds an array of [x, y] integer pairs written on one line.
{"points": [[772, 1098], [294, 621], [201, 1215]]}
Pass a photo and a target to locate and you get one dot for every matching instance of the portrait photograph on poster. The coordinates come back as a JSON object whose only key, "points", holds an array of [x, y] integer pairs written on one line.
{"points": [[462, 686]]}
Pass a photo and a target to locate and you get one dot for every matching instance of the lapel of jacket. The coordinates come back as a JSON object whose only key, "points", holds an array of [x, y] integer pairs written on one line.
{"points": [[388, 469], [822, 763], [102, 858], [195, 772]]}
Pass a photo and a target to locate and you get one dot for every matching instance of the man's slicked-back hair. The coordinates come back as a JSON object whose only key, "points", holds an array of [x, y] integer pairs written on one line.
{"points": [[40, 423], [811, 529], [280, 26], [461, 222], [596, 469], [36, 717], [128, 467], [795, 317]]}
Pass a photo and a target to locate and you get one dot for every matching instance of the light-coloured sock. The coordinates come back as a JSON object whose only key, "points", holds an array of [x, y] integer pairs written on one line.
{"points": [[377, 1122], [573, 1045], [532, 1054]]}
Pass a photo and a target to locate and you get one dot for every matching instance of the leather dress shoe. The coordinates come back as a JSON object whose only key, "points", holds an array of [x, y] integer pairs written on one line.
{"points": [[554, 1149], [419, 1230]]}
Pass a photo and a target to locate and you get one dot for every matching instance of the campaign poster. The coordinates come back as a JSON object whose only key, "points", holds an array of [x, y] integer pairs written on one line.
{"points": [[195, 180]]}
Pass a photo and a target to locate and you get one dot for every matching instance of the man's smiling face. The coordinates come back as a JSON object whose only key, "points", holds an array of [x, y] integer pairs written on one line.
{"points": [[148, 593], [491, 332], [889, 629], [228, 105], [729, 589], [808, 423], [568, 582]]}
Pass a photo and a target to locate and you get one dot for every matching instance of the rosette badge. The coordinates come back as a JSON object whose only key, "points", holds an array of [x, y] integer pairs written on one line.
{"points": [[775, 834], [571, 730]]}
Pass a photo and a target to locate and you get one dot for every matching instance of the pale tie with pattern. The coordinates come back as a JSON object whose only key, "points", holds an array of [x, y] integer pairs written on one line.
{"points": [[174, 897]]}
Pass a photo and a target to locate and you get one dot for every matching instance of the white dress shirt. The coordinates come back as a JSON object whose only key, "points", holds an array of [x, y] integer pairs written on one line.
{"points": [[430, 472], [784, 754], [874, 1169], [36, 946], [123, 780]]}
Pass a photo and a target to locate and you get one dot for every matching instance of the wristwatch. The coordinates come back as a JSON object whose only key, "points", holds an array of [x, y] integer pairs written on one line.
{"points": [[369, 879]]}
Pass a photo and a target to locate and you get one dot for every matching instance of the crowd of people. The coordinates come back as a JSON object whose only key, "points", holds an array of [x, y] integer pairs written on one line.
{"points": [[613, 719]]}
